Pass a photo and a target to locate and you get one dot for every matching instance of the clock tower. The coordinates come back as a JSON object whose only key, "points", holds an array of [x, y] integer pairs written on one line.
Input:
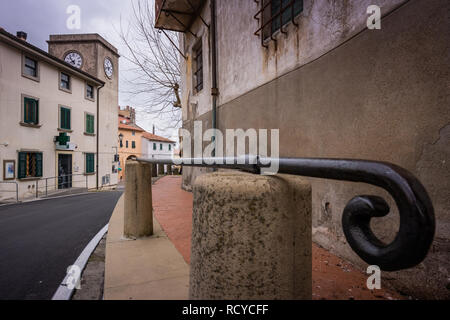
{"points": [[93, 54]]}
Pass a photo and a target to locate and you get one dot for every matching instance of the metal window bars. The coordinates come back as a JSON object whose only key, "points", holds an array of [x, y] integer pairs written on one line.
{"points": [[259, 16], [417, 221]]}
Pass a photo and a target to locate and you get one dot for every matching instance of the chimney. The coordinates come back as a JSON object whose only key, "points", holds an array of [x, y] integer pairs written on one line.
{"points": [[22, 35], [153, 129]]}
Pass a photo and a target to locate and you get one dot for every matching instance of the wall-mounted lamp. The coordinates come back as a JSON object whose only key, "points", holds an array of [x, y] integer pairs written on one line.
{"points": [[120, 137], [4, 144]]}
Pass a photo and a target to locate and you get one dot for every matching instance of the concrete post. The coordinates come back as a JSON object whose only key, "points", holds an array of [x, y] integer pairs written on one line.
{"points": [[160, 169], [169, 169], [138, 217], [154, 170], [251, 237]]}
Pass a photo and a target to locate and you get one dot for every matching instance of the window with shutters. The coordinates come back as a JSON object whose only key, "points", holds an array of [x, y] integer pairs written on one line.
{"points": [[160, 146], [126, 144], [64, 118], [30, 165], [89, 123], [90, 163], [30, 111], [154, 146], [133, 144]]}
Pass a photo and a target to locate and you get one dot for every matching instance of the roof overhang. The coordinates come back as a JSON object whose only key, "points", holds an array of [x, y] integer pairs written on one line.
{"points": [[177, 15], [44, 56]]}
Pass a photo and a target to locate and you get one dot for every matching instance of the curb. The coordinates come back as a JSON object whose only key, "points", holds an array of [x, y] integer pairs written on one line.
{"points": [[64, 292]]}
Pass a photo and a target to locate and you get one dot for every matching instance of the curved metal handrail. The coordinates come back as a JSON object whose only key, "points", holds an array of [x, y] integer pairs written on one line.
{"points": [[417, 222]]}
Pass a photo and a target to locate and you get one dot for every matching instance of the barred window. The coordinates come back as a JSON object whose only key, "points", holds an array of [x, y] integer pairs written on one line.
{"points": [[277, 13], [198, 68], [30, 165]]}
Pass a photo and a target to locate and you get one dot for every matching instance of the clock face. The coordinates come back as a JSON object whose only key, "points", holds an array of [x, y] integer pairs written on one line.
{"points": [[109, 69], [74, 59]]}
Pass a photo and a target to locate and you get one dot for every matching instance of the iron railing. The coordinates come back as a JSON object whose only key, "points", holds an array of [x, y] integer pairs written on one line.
{"points": [[61, 182], [417, 222]]}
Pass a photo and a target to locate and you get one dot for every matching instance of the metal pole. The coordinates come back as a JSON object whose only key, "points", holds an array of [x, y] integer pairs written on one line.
{"points": [[46, 187], [37, 188], [17, 192], [417, 221]]}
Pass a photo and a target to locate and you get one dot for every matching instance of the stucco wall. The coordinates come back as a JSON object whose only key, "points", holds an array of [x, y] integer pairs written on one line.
{"points": [[382, 95], [12, 86]]}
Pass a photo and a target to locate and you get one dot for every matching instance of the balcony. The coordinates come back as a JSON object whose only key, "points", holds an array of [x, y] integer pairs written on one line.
{"points": [[177, 15]]}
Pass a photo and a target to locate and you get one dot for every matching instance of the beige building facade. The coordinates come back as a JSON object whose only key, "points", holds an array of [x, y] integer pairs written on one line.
{"points": [[48, 120], [335, 89]]}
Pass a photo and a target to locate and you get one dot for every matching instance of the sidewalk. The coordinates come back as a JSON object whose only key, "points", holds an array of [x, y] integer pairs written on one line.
{"points": [[143, 269], [333, 278]]}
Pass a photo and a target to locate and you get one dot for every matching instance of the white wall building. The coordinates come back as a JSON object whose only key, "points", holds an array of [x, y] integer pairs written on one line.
{"points": [[156, 147], [43, 97]]}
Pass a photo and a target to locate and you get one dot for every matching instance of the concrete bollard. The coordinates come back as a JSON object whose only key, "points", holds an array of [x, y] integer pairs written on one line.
{"points": [[138, 215], [160, 169], [251, 237], [154, 170], [169, 169]]}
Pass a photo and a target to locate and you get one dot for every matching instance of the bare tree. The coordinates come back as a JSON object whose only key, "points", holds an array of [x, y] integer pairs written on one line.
{"points": [[155, 65]]}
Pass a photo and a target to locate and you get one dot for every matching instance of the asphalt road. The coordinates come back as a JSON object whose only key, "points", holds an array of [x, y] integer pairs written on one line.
{"points": [[39, 240]]}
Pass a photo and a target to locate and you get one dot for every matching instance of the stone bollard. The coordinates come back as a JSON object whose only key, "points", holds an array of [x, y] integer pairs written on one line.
{"points": [[169, 169], [138, 218], [160, 169], [251, 237], [154, 170]]}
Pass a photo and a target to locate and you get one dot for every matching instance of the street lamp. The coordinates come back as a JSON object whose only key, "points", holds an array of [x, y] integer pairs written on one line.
{"points": [[120, 137], [4, 144]]}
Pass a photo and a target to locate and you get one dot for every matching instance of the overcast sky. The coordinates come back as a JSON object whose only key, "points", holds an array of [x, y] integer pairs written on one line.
{"points": [[40, 18]]}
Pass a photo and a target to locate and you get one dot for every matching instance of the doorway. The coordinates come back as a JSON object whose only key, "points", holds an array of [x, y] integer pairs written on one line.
{"points": [[64, 171]]}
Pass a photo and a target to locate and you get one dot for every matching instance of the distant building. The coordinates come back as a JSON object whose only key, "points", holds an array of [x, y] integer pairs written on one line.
{"points": [[50, 105], [135, 142], [155, 147]]}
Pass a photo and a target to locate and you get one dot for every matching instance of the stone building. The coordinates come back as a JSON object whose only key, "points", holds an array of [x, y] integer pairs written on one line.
{"points": [[335, 89], [55, 114]]}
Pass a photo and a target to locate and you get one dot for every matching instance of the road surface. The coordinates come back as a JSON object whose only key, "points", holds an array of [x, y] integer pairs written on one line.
{"points": [[39, 240]]}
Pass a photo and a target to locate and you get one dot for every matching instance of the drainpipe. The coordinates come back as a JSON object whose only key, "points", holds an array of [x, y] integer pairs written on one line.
{"points": [[98, 132], [214, 89]]}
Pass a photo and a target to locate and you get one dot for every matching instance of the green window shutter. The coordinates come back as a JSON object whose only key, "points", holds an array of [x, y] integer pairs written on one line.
{"points": [[154, 146], [89, 123], [30, 111], [38, 164], [65, 118], [36, 111], [22, 171], [90, 163]]}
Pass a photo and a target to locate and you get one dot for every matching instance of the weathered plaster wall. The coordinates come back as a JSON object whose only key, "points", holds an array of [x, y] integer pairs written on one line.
{"points": [[383, 95]]}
